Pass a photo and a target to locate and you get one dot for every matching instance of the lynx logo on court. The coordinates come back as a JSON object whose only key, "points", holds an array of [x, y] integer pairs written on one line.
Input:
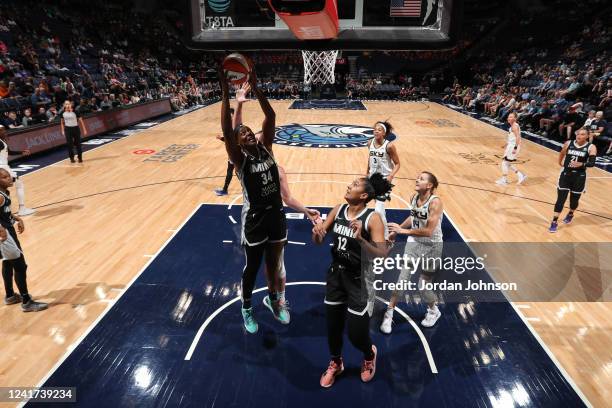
{"points": [[324, 136]]}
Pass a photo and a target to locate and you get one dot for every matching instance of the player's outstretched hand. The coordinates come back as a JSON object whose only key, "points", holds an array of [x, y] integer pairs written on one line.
{"points": [[314, 216], [356, 226], [575, 164], [318, 233], [396, 228], [242, 92]]}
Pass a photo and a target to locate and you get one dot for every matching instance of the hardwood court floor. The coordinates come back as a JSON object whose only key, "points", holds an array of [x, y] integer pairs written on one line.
{"points": [[99, 223]]}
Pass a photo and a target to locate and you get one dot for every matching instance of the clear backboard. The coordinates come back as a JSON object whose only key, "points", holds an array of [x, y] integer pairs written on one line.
{"points": [[364, 25]]}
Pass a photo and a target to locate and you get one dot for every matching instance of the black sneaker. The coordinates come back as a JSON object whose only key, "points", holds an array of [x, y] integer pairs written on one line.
{"points": [[32, 306], [12, 300]]}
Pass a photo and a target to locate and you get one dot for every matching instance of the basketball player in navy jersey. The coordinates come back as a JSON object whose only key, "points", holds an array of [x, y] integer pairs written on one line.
{"points": [[264, 227], [424, 230], [354, 228], [383, 159], [574, 158], [14, 267]]}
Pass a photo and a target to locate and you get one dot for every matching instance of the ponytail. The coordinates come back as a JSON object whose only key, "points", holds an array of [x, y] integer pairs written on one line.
{"points": [[378, 187]]}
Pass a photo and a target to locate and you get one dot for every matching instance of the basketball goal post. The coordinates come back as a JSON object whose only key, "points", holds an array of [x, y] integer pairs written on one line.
{"points": [[313, 20]]}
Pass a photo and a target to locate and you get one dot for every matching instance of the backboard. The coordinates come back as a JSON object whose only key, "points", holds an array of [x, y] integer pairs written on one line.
{"points": [[219, 25]]}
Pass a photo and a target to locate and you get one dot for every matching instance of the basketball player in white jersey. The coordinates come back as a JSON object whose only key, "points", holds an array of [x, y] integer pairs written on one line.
{"points": [[424, 230], [5, 151], [383, 159], [512, 149]]}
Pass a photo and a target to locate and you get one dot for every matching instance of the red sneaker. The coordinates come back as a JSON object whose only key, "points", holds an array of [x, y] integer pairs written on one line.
{"points": [[329, 376], [368, 368]]}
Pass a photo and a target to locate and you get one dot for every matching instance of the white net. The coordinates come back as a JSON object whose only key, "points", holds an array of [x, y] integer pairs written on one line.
{"points": [[319, 66]]}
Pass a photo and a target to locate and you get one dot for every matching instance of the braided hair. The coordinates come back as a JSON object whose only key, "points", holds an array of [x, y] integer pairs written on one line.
{"points": [[377, 187]]}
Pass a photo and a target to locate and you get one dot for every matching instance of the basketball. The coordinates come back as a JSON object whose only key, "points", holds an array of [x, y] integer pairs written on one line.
{"points": [[237, 68]]}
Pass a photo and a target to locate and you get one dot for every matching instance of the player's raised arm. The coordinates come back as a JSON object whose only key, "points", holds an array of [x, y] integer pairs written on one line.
{"points": [[241, 99], [563, 152], [269, 124], [292, 202], [230, 140]]}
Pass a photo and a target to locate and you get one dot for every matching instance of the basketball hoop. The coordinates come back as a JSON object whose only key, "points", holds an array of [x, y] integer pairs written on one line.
{"points": [[319, 66]]}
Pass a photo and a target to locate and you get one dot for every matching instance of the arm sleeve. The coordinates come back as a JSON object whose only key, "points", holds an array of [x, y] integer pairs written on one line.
{"points": [[591, 161]]}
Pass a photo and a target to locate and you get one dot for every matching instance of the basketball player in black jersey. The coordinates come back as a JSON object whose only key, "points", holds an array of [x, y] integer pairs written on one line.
{"points": [[574, 158], [354, 228], [264, 227], [14, 267]]}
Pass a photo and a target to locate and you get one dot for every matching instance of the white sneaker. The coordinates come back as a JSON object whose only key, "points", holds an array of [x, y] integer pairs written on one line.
{"points": [[521, 177], [385, 327], [502, 182], [431, 317], [23, 211]]}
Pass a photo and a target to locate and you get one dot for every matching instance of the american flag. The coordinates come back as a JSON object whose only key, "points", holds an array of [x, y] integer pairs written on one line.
{"points": [[405, 8]]}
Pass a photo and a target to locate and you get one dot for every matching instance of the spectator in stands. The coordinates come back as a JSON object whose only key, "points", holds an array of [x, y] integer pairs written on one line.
{"points": [[570, 122], [37, 98], [95, 106], [106, 103], [113, 100], [598, 128], [509, 106], [60, 95], [52, 113], [84, 107], [41, 116], [590, 119], [527, 112], [27, 119], [10, 121], [4, 91], [13, 92]]}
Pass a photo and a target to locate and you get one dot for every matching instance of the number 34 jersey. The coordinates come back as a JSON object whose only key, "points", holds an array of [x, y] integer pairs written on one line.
{"points": [[346, 249], [260, 180]]}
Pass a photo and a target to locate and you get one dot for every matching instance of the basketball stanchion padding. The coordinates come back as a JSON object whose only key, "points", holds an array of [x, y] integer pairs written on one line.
{"points": [[237, 68], [312, 20]]}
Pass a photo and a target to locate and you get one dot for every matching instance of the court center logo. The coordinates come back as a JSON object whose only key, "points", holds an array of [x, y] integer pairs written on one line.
{"points": [[219, 6], [325, 135]]}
